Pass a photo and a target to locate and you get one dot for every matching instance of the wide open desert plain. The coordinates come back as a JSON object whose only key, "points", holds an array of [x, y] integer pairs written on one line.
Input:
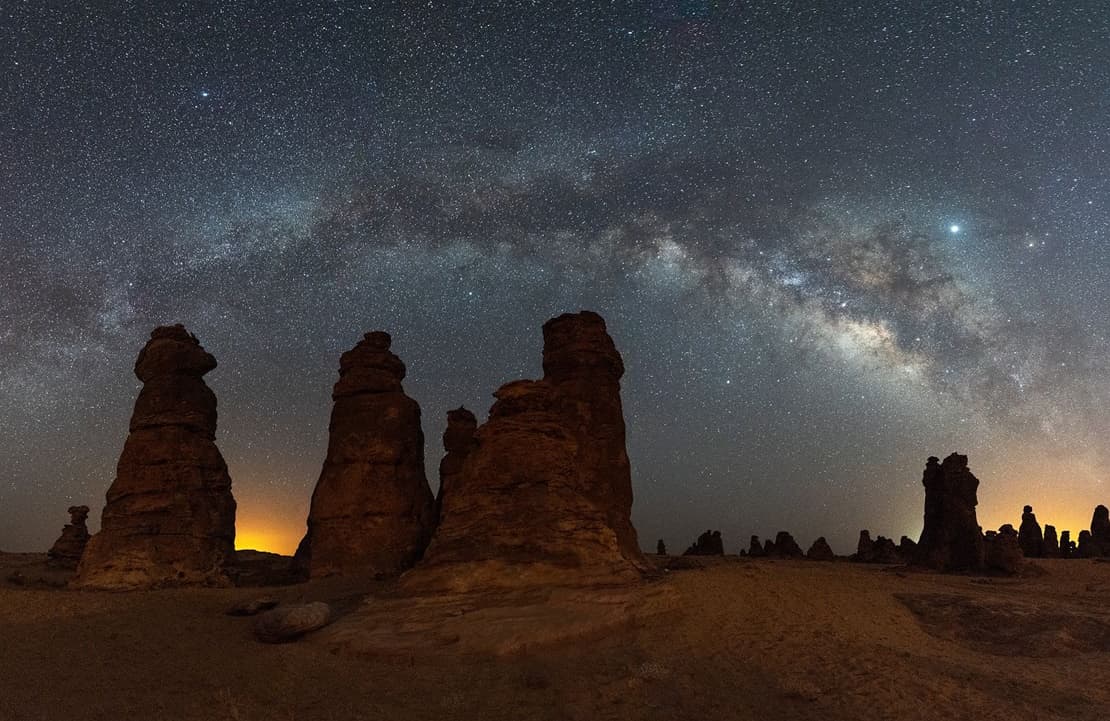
{"points": [[734, 639]]}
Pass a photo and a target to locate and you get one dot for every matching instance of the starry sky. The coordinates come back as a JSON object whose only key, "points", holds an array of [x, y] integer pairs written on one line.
{"points": [[829, 240]]}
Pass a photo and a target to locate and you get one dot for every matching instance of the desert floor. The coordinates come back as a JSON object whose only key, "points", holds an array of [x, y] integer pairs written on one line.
{"points": [[737, 639]]}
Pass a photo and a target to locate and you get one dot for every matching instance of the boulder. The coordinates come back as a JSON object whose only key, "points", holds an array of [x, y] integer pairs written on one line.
{"points": [[67, 550], [170, 515], [820, 551], [288, 623], [372, 511], [544, 496], [1029, 534], [1002, 551], [951, 539]]}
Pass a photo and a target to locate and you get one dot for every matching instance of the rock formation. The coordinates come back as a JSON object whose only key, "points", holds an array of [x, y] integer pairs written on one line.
{"points": [[170, 515], [755, 550], [907, 547], [865, 547], [820, 551], [1086, 547], [786, 546], [1051, 545], [1029, 534], [769, 548], [1100, 532], [880, 550], [372, 510], [545, 496], [1002, 550], [661, 548], [458, 441], [67, 550], [951, 539], [708, 544], [1067, 546]]}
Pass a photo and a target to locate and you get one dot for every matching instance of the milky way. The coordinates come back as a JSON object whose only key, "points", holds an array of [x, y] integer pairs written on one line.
{"points": [[829, 244]]}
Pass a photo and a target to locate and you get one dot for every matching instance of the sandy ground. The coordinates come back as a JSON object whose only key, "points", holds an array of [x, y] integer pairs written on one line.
{"points": [[739, 639]]}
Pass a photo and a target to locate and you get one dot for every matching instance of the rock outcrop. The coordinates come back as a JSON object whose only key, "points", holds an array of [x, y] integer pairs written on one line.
{"points": [[1029, 534], [708, 544], [1002, 551], [769, 548], [755, 550], [67, 550], [786, 546], [545, 496], [372, 510], [458, 442], [951, 539], [865, 547], [1067, 546], [660, 548], [288, 623], [1051, 545], [1099, 544], [879, 550], [820, 551], [170, 514], [907, 547]]}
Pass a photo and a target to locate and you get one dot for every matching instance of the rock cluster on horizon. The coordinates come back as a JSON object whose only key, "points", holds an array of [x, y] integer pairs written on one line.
{"points": [[880, 550], [70, 546], [951, 539], [170, 514], [820, 551], [708, 544], [372, 510], [545, 495]]}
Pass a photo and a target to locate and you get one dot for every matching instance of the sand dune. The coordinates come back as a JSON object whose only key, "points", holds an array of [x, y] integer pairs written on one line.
{"points": [[739, 639]]}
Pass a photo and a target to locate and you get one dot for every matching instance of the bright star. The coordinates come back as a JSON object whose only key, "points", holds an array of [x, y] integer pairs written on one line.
{"points": [[204, 93], [953, 229]]}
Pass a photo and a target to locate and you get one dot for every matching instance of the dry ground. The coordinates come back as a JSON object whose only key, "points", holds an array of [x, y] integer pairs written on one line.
{"points": [[739, 639]]}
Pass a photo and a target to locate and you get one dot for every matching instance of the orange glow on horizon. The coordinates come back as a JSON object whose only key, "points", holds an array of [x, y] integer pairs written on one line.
{"points": [[254, 537]]}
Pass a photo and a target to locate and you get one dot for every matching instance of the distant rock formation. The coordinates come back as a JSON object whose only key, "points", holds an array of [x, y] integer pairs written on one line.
{"points": [[769, 548], [755, 550], [1029, 534], [708, 544], [865, 547], [1002, 550], [786, 546], [1086, 548], [1099, 542], [820, 551], [545, 497], [907, 547], [170, 515], [1051, 546], [951, 539], [660, 548], [1067, 546], [879, 550], [372, 510], [67, 550], [458, 441]]}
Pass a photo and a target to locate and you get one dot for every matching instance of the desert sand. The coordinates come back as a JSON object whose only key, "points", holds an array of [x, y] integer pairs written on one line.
{"points": [[735, 639]]}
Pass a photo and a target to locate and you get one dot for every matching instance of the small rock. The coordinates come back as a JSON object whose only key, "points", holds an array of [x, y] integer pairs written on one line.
{"points": [[287, 623], [253, 607]]}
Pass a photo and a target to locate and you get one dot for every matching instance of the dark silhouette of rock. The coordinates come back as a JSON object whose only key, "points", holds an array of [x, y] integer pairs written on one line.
{"points": [[1029, 535], [786, 546], [1099, 542], [907, 547], [769, 548], [661, 548], [708, 544], [545, 496], [820, 551], [1051, 546], [865, 547], [458, 441], [1067, 546], [67, 550], [170, 514], [755, 550], [951, 539], [288, 623], [1086, 548], [1002, 550], [372, 510]]}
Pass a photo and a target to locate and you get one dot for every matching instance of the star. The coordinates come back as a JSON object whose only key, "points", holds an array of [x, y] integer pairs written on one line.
{"points": [[953, 228]]}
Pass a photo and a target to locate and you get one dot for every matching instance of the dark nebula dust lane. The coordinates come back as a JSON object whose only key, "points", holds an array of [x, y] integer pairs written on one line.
{"points": [[828, 244]]}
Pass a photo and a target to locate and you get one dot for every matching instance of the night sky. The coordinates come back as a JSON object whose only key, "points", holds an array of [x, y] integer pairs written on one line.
{"points": [[828, 242]]}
